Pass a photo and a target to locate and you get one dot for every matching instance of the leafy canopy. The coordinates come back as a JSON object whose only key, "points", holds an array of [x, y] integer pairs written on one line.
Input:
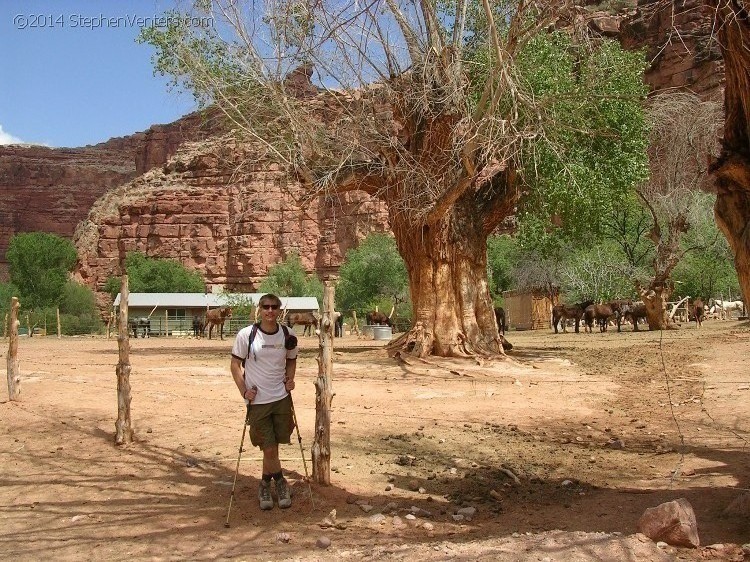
{"points": [[289, 279], [39, 264], [593, 150], [372, 274], [156, 275]]}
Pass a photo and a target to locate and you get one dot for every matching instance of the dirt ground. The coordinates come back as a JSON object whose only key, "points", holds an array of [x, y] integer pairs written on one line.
{"points": [[559, 449]]}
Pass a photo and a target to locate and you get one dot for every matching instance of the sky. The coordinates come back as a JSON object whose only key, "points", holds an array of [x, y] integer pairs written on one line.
{"points": [[71, 73]]}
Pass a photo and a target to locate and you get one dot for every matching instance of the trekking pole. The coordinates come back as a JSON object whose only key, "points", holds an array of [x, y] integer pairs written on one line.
{"points": [[302, 451], [237, 468]]}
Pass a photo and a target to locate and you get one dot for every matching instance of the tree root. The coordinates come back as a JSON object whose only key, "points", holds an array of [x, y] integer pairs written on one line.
{"points": [[418, 343]]}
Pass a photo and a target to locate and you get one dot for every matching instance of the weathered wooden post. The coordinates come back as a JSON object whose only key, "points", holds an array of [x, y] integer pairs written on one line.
{"points": [[166, 322], [123, 428], [355, 325], [59, 330], [321, 448], [14, 376]]}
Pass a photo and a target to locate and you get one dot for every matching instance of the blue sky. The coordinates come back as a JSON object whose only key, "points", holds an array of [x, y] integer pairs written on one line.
{"points": [[70, 76]]}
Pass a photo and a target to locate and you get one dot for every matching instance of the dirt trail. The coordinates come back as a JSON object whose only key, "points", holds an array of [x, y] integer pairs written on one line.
{"points": [[583, 421]]}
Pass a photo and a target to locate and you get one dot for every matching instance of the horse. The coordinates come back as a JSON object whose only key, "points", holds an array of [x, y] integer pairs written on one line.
{"points": [[634, 312], [698, 312], [143, 324], [563, 312], [501, 320], [725, 307], [599, 312], [216, 317], [197, 326], [377, 319], [307, 319]]}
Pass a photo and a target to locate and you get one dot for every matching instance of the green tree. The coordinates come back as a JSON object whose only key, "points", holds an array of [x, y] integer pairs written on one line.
{"points": [[40, 264], [289, 279], [156, 275], [502, 254], [78, 299], [445, 114], [373, 274]]}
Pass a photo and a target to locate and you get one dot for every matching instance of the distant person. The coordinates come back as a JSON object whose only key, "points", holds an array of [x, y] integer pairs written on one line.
{"points": [[264, 374]]}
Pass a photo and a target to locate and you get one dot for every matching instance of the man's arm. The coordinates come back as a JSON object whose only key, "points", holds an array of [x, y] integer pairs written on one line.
{"points": [[238, 374], [290, 371]]}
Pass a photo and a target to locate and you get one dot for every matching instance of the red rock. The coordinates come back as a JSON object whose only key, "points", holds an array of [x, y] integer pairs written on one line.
{"points": [[672, 522]]}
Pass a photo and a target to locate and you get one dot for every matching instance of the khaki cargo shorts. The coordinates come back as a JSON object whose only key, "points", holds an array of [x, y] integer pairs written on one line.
{"points": [[272, 423]]}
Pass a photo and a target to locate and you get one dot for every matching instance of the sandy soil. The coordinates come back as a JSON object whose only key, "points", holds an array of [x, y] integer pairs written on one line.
{"points": [[437, 436]]}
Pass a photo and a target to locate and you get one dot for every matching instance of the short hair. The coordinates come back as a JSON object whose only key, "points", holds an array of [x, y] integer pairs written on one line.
{"points": [[270, 297]]}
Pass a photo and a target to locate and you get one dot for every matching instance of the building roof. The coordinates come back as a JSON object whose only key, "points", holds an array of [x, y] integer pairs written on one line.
{"points": [[212, 300]]}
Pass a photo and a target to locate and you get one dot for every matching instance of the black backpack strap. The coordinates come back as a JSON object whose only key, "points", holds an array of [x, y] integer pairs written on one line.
{"points": [[253, 332]]}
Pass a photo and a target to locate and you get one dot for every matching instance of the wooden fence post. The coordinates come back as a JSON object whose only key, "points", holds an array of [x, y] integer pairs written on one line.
{"points": [[59, 330], [355, 325], [123, 428], [321, 447], [14, 376]]}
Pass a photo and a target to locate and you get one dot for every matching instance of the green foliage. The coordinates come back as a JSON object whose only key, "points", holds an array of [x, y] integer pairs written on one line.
{"points": [[592, 152], [39, 264], [597, 272], [502, 254], [628, 226], [289, 279], [7, 292], [707, 270], [372, 274], [189, 60], [155, 275], [77, 299], [70, 324]]}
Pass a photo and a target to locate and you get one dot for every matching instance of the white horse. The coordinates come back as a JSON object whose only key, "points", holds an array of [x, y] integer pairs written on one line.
{"points": [[725, 308]]}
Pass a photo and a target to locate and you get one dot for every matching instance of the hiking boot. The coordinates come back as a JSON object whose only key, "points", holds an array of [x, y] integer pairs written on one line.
{"points": [[282, 490], [264, 495]]}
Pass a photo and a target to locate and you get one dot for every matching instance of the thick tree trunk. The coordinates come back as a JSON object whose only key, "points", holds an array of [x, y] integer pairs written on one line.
{"points": [[732, 168], [655, 300], [453, 313]]}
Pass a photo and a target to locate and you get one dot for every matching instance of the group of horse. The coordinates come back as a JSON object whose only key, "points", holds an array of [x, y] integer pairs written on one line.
{"points": [[619, 311]]}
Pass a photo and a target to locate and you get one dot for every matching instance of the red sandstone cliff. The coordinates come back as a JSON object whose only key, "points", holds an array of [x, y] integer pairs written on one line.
{"points": [[680, 45], [52, 189], [195, 210]]}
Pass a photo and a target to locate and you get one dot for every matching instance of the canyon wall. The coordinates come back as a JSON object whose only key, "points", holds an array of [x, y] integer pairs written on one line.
{"points": [[52, 189], [232, 229]]}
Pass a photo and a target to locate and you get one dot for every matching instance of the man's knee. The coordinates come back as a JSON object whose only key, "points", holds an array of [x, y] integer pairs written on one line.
{"points": [[271, 452]]}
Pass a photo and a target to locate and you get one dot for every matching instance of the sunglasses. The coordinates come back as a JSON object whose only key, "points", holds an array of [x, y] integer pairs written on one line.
{"points": [[270, 307]]}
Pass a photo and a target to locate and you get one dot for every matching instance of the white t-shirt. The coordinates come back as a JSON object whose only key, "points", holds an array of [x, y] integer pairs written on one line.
{"points": [[265, 368]]}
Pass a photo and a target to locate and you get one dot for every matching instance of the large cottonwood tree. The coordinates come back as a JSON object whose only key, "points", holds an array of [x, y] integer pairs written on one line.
{"points": [[449, 112], [682, 139], [732, 169]]}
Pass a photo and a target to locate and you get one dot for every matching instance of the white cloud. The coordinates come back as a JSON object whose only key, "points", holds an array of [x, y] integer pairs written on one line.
{"points": [[7, 138]]}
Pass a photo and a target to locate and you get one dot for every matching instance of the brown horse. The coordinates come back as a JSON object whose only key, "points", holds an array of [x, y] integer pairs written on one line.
{"points": [[216, 317], [699, 311], [563, 312], [501, 320]]}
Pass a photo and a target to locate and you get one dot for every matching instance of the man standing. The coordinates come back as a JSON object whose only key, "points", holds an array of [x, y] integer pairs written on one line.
{"points": [[263, 369]]}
